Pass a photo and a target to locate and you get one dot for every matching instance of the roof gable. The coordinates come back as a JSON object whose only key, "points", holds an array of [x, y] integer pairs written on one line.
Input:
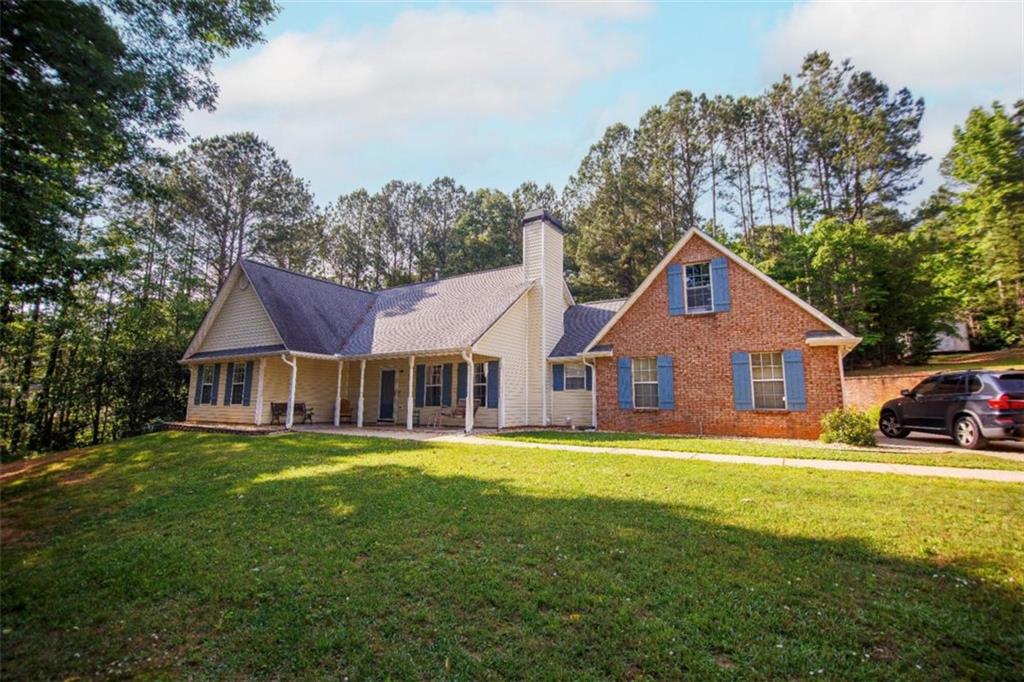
{"points": [[841, 333]]}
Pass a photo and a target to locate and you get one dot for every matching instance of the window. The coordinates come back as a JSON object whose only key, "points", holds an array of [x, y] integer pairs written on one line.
{"points": [[237, 381], [950, 384], [698, 288], [206, 394], [480, 383], [433, 386], [575, 377], [926, 387], [768, 381], [645, 382]]}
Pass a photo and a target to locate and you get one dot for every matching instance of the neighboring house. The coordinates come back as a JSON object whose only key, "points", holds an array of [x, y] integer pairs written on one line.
{"points": [[707, 344]]}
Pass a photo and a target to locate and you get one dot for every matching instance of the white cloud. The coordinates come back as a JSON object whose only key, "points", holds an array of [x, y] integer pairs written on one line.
{"points": [[331, 91], [957, 55], [925, 45]]}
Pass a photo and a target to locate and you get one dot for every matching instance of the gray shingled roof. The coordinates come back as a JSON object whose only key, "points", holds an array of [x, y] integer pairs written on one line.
{"points": [[582, 323], [311, 315], [437, 315]]}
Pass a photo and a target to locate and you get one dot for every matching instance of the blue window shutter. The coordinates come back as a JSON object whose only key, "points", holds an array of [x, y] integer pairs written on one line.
{"points": [[720, 284], [216, 380], [227, 383], [625, 383], [446, 384], [493, 383], [793, 371], [199, 384], [675, 289], [666, 391], [247, 389], [742, 397], [421, 385], [460, 387], [558, 377], [589, 377]]}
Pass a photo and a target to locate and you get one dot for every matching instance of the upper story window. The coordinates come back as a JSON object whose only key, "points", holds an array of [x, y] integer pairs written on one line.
{"points": [[432, 396], [645, 382], [698, 288], [769, 384], [480, 383], [206, 393], [237, 385], [575, 377]]}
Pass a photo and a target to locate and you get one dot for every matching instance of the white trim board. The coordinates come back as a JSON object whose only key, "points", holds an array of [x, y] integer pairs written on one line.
{"points": [[807, 307]]}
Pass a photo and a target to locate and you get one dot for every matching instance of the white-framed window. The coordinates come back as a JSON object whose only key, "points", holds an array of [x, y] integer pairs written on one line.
{"points": [[698, 288], [645, 382], [236, 384], [206, 392], [480, 383], [432, 395], [768, 381], [575, 377]]}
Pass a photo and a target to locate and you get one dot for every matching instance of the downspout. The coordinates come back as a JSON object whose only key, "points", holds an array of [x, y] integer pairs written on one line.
{"points": [[290, 417], [467, 355], [593, 391]]}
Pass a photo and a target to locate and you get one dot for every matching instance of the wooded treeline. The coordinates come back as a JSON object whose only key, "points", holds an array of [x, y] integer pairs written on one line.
{"points": [[112, 250]]}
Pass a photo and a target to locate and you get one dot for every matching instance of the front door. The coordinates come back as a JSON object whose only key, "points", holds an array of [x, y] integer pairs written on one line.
{"points": [[387, 396]]}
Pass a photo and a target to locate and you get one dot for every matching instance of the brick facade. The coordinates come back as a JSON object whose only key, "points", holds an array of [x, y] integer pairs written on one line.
{"points": [[760, 319]]}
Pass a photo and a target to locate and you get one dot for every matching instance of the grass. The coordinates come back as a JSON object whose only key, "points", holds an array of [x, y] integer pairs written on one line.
{"points": [[311, 556], [761, 448], [1000, 359]]}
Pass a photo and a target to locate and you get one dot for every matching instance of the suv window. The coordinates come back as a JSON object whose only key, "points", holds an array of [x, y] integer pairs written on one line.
{"points": [[926, 387], [949, 384], [1011, 383], [973, 383]]}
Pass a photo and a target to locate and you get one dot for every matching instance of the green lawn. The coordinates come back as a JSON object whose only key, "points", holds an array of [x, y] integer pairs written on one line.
{"points": [[761, 448], [214, 556], [997, 359]]}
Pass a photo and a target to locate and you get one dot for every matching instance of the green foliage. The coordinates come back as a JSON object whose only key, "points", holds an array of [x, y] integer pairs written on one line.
{"points": [[304, 556], [979, 220], [848, 426]]}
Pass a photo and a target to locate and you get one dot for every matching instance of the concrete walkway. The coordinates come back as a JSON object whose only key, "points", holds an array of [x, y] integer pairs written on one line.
{"points": [[826, 464]]}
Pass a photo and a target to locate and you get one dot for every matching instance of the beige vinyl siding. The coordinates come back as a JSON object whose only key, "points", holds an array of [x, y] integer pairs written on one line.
{"points": [[240, 322], [221, 413], [506, 339], [314, 385], [572, 404], [543, 254]]}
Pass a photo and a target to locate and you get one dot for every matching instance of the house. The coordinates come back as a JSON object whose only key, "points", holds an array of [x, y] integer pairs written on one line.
{"points": [[706, 344]]}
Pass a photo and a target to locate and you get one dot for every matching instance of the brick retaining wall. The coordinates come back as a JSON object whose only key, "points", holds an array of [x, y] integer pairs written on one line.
{"points": [[868, 391]]}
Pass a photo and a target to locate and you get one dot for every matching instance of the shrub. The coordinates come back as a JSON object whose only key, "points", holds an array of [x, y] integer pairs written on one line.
{"points": [[848, 426]]}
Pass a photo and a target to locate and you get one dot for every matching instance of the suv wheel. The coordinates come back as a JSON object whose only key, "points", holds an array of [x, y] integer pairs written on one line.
{"points": [[889, 424], [967, 433]]}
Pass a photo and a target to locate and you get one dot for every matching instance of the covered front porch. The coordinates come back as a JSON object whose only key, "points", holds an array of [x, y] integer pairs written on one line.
{"points": [[290, 389]]}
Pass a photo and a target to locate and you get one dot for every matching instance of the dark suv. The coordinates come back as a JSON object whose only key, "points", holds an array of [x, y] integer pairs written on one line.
{"points": [[972, 407]]}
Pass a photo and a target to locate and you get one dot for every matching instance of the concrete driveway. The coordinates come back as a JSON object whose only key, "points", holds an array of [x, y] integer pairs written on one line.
{"points": [[1008, 449]]}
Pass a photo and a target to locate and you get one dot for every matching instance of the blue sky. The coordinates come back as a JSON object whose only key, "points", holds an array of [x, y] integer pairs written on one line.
{"points": [[356, 94]]}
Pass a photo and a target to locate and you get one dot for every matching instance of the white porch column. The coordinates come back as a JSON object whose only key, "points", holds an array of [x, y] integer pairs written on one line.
{"points": [[362, 384], [501, 393], [259, 392], [410, 403], [337, 396], [469, 391], [593, 390], [290, 418]]}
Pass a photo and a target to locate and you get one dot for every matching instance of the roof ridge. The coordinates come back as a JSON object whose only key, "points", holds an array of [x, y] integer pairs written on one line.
{"points": [[302, 274], [450, 277]]}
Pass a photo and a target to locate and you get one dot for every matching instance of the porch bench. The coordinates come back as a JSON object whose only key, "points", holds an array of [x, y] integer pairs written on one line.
{"points": [[279, 410]]}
